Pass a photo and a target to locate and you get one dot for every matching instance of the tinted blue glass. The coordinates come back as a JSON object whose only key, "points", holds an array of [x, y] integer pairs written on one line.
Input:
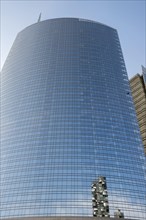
{"points": [[67, 118]]}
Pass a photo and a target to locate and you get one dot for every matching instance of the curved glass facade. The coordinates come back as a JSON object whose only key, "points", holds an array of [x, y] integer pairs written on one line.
{"points": [[67, 118]]}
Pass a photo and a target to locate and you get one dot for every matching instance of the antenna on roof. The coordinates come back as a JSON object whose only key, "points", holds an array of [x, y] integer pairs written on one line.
{"points": [[39, 19]]}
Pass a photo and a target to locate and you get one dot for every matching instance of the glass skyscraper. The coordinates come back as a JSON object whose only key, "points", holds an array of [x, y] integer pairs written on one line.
{"points": [[67, 118]]}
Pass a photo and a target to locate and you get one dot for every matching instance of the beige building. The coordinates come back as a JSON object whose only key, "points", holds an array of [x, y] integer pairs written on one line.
{"points": [[138, 88]]}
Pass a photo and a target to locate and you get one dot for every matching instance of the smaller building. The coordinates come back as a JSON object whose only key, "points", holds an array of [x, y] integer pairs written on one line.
{"points": [[138, 89], [100, 198]]}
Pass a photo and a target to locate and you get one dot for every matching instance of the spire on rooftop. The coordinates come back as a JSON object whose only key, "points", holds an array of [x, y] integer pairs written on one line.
{"points": [[39, 19]]}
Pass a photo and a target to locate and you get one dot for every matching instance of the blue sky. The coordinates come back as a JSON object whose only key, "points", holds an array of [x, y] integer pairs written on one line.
{"points": [[127, 16]]}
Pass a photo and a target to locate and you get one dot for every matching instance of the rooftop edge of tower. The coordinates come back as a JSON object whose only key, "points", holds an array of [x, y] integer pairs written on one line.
{"points": [[69, 18]]}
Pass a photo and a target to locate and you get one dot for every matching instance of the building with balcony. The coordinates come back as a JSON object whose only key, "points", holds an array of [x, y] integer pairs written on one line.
{"points": [[138, 89]]}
